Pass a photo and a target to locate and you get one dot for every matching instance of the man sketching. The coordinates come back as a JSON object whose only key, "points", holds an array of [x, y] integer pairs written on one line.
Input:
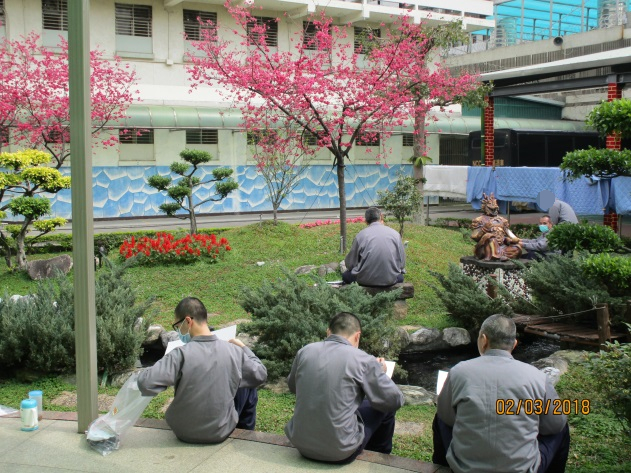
{"points": [[377, 256], [215, 381], [495, 413], [345, 402]]}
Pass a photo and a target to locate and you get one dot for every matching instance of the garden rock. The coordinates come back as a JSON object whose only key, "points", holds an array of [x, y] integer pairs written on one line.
{"points": [[305, 269], [118, 379], [416, 395], [153, 334], [456, 336], [571, 356], [327, 269], [166, 337], [426, 339], [342, 266], [403, 338], [46, 268], [552, 361]]}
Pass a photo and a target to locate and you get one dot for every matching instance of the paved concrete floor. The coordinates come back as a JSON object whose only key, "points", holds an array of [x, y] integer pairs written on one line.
{"points": [[57, 447], [448, 210]]}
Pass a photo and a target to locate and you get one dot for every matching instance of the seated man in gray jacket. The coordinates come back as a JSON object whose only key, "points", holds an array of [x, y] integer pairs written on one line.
{"points": [[215, 381], [538, 246], [377, 256], [495, 413], [345, 402]]}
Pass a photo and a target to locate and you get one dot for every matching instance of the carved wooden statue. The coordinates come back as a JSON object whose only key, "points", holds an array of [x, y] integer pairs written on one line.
{"points": [[495, 240]]}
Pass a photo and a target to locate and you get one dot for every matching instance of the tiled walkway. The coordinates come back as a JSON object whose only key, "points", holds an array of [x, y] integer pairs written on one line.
{"points": [[151, 447]]}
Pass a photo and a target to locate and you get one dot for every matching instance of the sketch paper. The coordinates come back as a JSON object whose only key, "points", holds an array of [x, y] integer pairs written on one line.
{"points": [[390, 368], [442, 376], [222, 334]]}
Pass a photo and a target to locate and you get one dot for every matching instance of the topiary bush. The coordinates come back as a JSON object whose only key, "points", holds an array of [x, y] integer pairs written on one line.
{"points": [[465, 299], [40, 327], [583, 236], [614, 272], [289, 313]]}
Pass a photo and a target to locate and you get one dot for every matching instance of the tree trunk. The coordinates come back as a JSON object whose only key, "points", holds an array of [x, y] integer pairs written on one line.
{"points": [[191, 214], [21, 254], [419, 149], [342, 194], [275, 215]]}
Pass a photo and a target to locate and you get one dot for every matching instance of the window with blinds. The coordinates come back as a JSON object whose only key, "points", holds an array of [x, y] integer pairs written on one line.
{"points": [[309, 31], [363, 38], [197, 21], [2, 21], [133, 20], [55, 15], [408, 139], [372, 139], [136, 136], [271, 31], [202, 137]]}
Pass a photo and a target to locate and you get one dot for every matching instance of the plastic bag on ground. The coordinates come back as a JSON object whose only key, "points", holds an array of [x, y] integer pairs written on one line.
{"points": [[6, 410], [105, 433]]}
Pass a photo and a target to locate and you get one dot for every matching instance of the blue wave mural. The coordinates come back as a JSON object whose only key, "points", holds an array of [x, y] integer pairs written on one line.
{"points": [[123, 191]]}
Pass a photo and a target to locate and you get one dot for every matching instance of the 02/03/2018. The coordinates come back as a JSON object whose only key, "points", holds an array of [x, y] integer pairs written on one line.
{"points": [[542, 406]]}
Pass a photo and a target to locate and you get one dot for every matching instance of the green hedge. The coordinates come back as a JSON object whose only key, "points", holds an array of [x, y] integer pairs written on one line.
{"points": [[39, 329]]}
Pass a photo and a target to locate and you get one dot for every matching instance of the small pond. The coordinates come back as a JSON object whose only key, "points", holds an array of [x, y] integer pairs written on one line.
{"points": [[423, 368]]}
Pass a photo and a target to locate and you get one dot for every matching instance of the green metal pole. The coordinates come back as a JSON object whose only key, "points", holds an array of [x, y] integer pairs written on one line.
{"points": [[82, 214]]}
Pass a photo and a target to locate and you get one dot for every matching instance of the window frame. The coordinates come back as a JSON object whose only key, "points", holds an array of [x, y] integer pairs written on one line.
{"points": [[130, 136], [195, 25], [271, 31], [374, 142], [135, 20], [48, 15], [358, 30], [207, 136]]}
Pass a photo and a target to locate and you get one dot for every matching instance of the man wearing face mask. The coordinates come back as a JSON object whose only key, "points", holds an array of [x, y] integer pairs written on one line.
{"points": [[538, 246], [215, 381]]}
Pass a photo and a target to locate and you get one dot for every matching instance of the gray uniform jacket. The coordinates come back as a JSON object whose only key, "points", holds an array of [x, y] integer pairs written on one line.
{"points": [[538, 244], [377, 256], [206, 373], [561, 212], [485, 440], [330, 380]]}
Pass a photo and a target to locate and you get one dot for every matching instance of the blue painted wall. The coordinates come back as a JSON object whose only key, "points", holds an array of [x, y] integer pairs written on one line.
{"points": [[124, 192]]}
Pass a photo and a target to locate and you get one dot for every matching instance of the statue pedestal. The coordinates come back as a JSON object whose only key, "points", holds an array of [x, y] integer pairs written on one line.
{"points": [[507, 273]]}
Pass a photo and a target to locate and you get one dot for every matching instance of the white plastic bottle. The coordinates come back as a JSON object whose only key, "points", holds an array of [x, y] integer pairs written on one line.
{"points": [[28, 414]]}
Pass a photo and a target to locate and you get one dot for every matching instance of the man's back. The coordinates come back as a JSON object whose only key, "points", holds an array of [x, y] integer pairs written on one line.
{"points": [[561, 212], [377, 256], [487, 440], [330, 379], [206, 373]]}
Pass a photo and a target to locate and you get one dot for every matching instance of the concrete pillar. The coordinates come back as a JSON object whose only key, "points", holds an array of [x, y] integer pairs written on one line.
{"points": [[489, 132], [614, 92]]}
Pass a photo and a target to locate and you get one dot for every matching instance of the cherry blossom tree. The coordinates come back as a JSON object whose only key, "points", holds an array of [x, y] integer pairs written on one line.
{"points": [[34, 103], [322, 85], [282, 156]]}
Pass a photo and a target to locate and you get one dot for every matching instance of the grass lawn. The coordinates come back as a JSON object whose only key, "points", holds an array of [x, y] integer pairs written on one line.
{"points": [[599, 442], [282, 247]]}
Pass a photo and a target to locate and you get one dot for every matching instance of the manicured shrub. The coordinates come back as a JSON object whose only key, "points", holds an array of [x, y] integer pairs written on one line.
{"points": [[164, 248], [39, 329], [583, 236], [465, 299], [289, 313], [612, 271]]}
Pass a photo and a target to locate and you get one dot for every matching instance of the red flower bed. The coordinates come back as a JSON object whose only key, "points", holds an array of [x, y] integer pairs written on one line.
{"points": [[164, 248], [319, 223]]}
